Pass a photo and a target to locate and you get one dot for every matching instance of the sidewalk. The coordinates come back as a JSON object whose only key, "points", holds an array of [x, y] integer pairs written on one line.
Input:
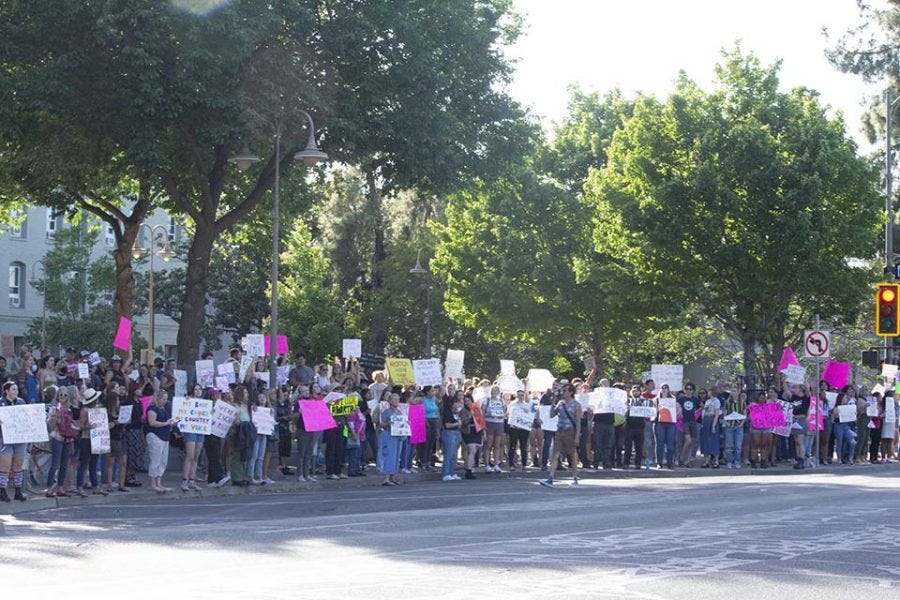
{"points": [[289, 483]]}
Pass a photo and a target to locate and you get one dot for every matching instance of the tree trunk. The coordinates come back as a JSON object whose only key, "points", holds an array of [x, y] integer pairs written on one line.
{"points": [[193, 309], [379, 333], [749, 347], [124, 300]]}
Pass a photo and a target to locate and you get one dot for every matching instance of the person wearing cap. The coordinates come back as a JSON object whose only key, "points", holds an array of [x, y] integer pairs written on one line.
{"points": [[634, 428], [12, 456], [87, 462]]}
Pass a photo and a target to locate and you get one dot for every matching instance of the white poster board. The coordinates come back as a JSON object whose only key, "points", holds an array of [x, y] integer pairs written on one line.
{"points": [[548, 423], [666, 410], [647, 412], [194, 415], [609, 400], [889, 372], [671, 375], [351, 348], [180, 382], [508, 367], [226, 370], [263, 418], [206, 372], [83, 371], [125, 414], [427, 372], [246, 361], [256, 347], [540, 380], [795, 374], [222, 383], [453, 364], [23, 423], [99, 420], [520, 416], [509, 384], [223, 415], [847, 413], [400, 425]]}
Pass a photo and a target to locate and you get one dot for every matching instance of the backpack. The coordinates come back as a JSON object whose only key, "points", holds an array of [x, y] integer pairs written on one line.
{"points": [[66, 425]]}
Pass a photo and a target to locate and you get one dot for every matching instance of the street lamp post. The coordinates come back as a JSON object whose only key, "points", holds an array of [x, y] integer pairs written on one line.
{"points": [[34, 283], [310, 156], [890, 106], [166, 253], [420, 270]]}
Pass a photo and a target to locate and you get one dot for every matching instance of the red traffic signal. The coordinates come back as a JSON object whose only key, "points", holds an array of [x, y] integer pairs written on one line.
{"points": [[887, 298]]}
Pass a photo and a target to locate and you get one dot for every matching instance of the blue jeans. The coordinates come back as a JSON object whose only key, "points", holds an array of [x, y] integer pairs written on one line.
{"points": [[59, 464], [254, 467], [545, 451], [450, 441], [353, 455], [844, 441], [734, 439], [665, 444]]}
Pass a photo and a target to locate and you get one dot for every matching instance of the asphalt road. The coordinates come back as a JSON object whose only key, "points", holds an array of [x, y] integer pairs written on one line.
{"points": [[812, 535]]}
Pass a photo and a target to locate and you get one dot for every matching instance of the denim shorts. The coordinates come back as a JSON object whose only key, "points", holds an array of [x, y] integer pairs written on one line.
{"points": [[13, 449], [492, 428], [193, 438]]}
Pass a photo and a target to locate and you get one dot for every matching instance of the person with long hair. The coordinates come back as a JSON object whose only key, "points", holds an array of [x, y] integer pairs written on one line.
{"points": [[60, 425], [193, 445], [12, 456], [241, 437], [845, 432], [159, 428], [450, 437], [112, 396], [760, 437], [664, 431], [471, 437], [494, 410]]}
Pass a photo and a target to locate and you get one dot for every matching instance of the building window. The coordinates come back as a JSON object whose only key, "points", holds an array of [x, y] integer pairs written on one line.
{"points": [[110, 236], [173, 230], [16, 287], [17, 230], [52, 223]]}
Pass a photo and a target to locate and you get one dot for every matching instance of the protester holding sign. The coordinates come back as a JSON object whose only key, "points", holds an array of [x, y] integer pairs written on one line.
{"points": [[521, 420], [11, 455], [389, 445], [688, 405], [117, 452], [799, 400], [640, 411], [450, 436], [60, 440], [87, 461], [735, 415], [666, 413], [241, 437], [709, 433], [144, 387], [494, 410], [471, 436], [159, 428], [255, 466], [845, 430], [567, 431]]}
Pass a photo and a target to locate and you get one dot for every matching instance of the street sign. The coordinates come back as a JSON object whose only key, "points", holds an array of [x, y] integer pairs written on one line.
{"points": [[817, 343]]}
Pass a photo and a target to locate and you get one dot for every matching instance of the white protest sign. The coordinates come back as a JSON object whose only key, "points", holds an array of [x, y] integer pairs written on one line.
{"points": [[520, 416], [223, 415], [878, 389], [647, 412], [508, 367], [194, 415], [222, 383], [671, 375], [180, 382], [508, 384], [453, 365], [795, 374], [332, 396], [23, 423], [608, 400], [125, 414], [831, 398], [427, 372], [206, 372], [246, 361], [352, 348], [226, 370], [590, 364], [83, 372], [262, 376], [256, 346], [666, 410], [548, 423], [281, 375], [871, 408], [847, 413], [540, 380], [480, 393], [264, 420], [890, 414], [99, 421], [584, 400], [889, 372], [94, 358], [400, 425], [735, 416]]}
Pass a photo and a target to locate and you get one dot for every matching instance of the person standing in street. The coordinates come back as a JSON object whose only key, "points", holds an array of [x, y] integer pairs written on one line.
{"points": [[567, 433]]}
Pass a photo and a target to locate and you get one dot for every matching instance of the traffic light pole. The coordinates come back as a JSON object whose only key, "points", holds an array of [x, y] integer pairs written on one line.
{"points": [[819, 416]]}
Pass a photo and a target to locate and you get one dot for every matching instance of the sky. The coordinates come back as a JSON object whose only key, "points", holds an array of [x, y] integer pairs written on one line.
{"points": [[640, 45]]}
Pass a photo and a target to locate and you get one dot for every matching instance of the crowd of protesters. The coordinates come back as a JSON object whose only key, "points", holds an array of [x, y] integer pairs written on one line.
{"points": [[467, 422]]}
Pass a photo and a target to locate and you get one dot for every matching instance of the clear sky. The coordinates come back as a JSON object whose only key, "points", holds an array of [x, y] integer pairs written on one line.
{"points": [[640, 45]]}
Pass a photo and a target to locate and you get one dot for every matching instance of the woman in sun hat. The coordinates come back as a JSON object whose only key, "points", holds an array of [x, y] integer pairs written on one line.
{"points": [[87, 462]]}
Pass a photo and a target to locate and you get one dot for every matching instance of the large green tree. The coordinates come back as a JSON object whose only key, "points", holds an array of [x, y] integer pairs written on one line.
{"points": [[746, 200], [411, 88]]}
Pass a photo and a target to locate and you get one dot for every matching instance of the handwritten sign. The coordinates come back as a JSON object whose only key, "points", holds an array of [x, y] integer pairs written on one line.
{"points": [[351, 348], [263, 418], [222, 383], [281, 344], [94, 359], [344, 406], [837, 374], [509, 384], [508, 367], [194, 415], [226, 370], [427, 372], [647, 412], [255, 345], [785, 429], [246, 361], [180, 382], [671, 375], [125, 414], [846, 413], [400, 425], [223, 415], [540, 380], [122, 341], [401, 371], [666, 409], [520, 416], [889, 372], [315, 415], [23, 423], [206, 372], [83, 372], [766, 415], [478, 417], [548, 423], [99, 421], [608, 400], [831, 398], [453, 365], [795, 374]]}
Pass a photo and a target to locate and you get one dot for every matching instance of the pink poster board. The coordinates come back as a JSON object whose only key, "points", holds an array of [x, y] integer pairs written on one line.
{"points": [[122, 341], [837, 374], [766, 416], [316, 416], [788, 358], [417, 423], [281, 344]]}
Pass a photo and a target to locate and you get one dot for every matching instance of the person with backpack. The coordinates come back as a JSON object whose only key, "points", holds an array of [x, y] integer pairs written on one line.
{"points": [[568, 429]]}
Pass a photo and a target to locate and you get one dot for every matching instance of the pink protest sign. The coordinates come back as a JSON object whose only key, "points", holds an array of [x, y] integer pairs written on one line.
{"points": [[122, 341], [816, 422], [766, 416], [145, 404], [417, 423], [281, 344], [788, 358], [837, 374], [316, 416]]}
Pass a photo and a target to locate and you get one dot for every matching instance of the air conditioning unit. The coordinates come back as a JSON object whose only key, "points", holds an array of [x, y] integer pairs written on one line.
{"points": [[14, 301]]}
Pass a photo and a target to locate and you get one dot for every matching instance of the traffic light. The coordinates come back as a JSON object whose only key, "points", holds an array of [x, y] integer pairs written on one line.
{"points": [[887, 299]]}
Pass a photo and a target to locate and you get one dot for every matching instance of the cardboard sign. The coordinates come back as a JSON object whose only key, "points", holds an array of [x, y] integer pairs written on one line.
{"points": [[846, 413], [788, 358], [400, 425], [94, 359], [871, 408], [315, 415], [831, 398], [520, 416], [246, 361], [837, 374], [453, 364], [256, 345], [509, 384], [352, 348], [671, 375], [122, 341], [281, 375], [427, 372], [223, 415], [281, 344], [99, 420], [889, 372], [548, 423], [540, 380], [83, 372], [206, 372], [23, 423], [666, 409], [194, 415], [222, 383], [478, 417], [263, 418], [226, 370], [401, 371], [125, 414], [508, 367]]}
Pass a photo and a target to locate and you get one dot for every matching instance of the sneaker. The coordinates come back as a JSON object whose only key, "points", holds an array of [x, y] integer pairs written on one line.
{"points": [[729, 466], [737, 465], [574, 481], [447, 478], [312, 478], [342, 476], [193, 485], [302, 479], [268, 481], [497, 469], [456, 477], [223, 481], [184, 486], [488, 469], [332, 477], [546, 482]]}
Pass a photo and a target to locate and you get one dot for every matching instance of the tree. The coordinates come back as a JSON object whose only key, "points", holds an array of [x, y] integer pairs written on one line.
{"points": [[746, 200]]}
